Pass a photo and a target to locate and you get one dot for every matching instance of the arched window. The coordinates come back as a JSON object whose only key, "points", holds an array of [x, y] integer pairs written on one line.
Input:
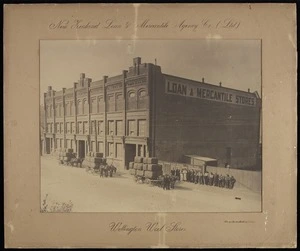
{"points": [[119, 102], [71, 108], [100, 104], [56, 110], [79, 108], [131, 94], [142, 93], [50, 109], [94, 105], [85, 107], [142, 99], [47, 111], [131, 102], [67, 109]]}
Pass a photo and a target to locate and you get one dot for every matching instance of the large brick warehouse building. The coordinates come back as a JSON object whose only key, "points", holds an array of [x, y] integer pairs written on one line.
{"points": [[145, 112]]}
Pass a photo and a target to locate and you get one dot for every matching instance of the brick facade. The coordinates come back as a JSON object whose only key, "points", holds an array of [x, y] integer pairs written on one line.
{"points": [[133, 114]]}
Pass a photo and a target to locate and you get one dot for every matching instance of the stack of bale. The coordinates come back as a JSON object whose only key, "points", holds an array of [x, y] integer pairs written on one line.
{"points": [[151, 168], [147, 167], [93, 160], [65, 155]]}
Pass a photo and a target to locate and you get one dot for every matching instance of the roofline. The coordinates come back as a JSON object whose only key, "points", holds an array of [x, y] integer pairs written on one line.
{"points": [[221, 87]]}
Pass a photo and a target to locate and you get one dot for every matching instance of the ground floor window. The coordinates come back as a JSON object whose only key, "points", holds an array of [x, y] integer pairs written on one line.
{"points": [[119, 150], [111, 149]]}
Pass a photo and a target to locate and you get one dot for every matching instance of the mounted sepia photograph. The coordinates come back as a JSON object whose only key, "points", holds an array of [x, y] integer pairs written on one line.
{"points": [[150, 126]]}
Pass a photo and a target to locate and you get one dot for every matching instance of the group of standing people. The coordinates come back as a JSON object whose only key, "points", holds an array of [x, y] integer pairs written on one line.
{"points": [[210, 179], [167, 182], [107, 170]]}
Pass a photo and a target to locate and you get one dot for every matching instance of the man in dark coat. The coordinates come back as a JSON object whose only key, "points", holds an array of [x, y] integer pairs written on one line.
{"points": [[216, 179], [101, 170], [201, 181], [227, 178], [232, 182]]}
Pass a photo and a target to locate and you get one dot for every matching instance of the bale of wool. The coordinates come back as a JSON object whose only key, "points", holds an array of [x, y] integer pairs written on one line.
{"points": [[145, 160], [152, 174], [132, 171], [153, 167], [140, 172], [138, 166], [145, 167], [69, 150], [138, 159], [131, 165], [99, 155], [152, 160]]}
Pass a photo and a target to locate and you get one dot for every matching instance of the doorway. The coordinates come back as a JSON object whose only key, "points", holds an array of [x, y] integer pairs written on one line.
{"points": [[48, 146], [81, 149], [130, 151]]}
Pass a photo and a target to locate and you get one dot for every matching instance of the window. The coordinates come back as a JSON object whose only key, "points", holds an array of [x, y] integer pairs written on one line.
{"points": [[131, 94], [79, 108], [50, 108], [142, 99], [47, 111], [60, 110], [119, 150], [142, 127], [56, 111], [111, 149], [100, 127], [142, 93], [131, 127], [119, 127], [67, 109], [72, 128], [93, 127], [85, 107], [71, 108], [79, 127], [94, 105], [110, 127], [61, 127], [119, 102], [68, 127], [131, 101], [110, 103], [100, 104], [85, 127], [100, 147]]}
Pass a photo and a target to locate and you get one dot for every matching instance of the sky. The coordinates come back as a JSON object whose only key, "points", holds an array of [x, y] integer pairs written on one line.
{"points": [[235, 63]]}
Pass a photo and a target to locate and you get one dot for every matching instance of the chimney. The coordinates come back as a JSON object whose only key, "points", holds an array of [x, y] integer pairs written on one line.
{"points": [[220, 84], [137, 61], [105, 79], [82, 75], [63, 89], [75, 85], [125, 74], [248, 89], [202, 80], [49, 88]]}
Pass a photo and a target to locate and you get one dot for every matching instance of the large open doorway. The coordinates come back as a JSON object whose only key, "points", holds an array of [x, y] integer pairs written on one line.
{"points": [[48, 146], [130, 151], [81, 149]]}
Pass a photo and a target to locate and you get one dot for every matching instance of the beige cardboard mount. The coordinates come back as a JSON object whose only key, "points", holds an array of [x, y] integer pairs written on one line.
{"points": [[26, 25]]}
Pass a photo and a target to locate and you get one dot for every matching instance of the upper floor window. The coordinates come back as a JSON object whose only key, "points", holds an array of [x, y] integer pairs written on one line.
{"points": [[131, 94], [142, 93], [85, 107]]}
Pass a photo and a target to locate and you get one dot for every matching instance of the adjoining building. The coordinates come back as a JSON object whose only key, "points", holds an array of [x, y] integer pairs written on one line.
{"points": [[144, 112]]}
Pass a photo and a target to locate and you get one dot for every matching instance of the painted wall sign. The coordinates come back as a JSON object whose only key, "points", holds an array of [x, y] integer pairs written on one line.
{"points": [[217, 94]]}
